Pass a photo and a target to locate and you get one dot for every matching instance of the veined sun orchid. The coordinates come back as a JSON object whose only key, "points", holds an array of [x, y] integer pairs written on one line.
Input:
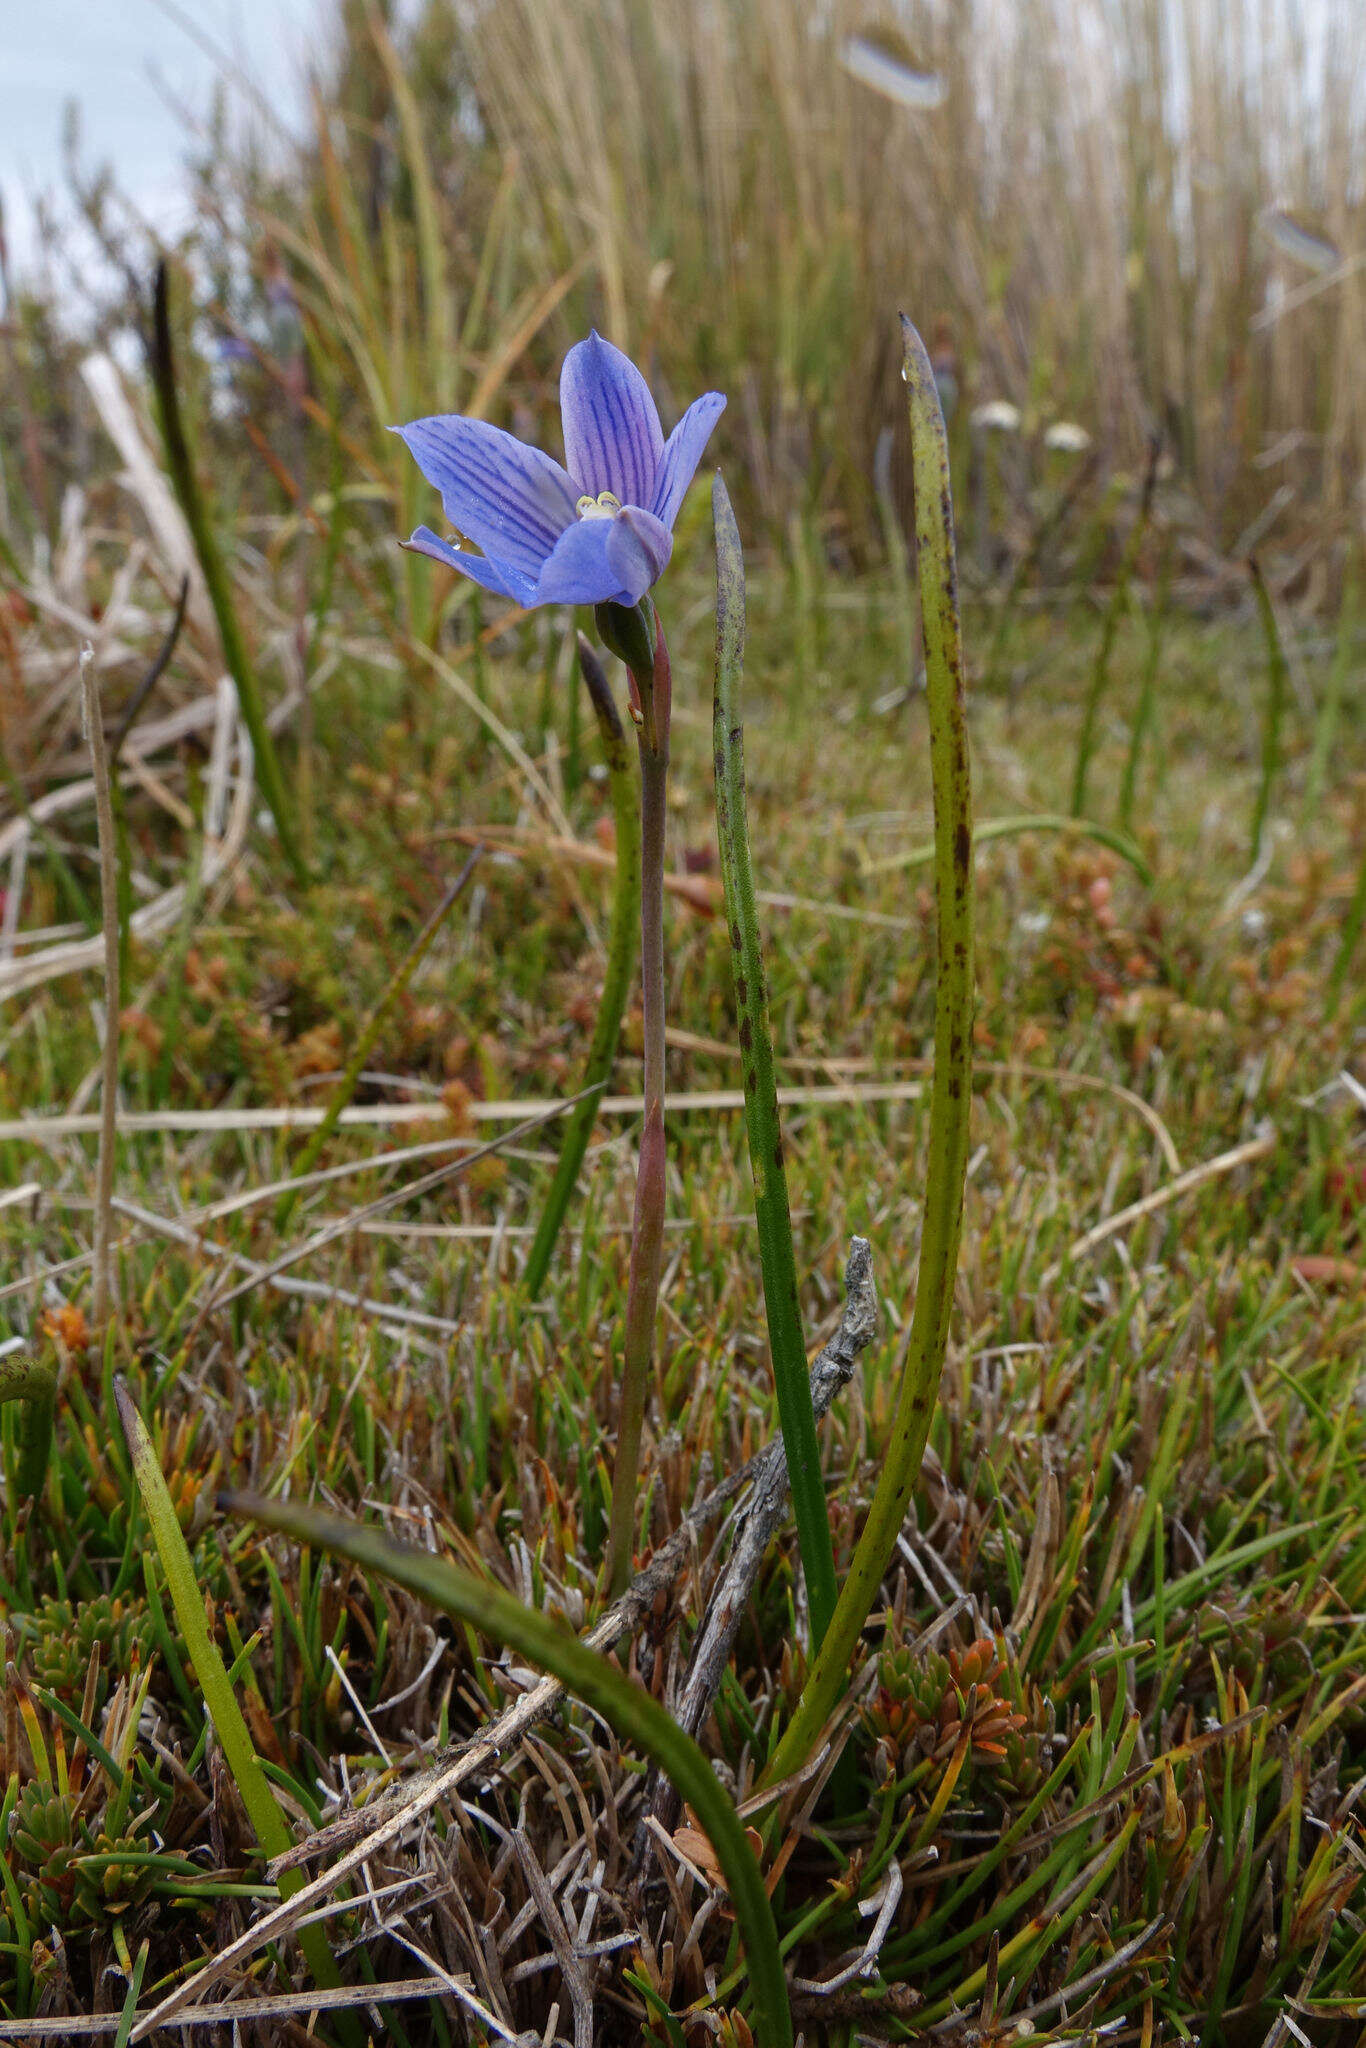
{"points": [[598, 531]]}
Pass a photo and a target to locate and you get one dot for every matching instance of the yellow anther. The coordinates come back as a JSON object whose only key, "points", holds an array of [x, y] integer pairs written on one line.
{"points": [[605, 506]]}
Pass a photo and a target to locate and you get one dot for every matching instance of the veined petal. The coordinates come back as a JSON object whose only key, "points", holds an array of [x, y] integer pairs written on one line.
{"points": [[606, 561], [612, 436], [495, 576], [511, 500], [579, 571], [682, 453]]}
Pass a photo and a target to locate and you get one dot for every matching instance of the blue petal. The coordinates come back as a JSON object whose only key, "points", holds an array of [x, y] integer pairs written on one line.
{"points": [[511, 500], [612, 436], [682, 453], [639, 549], [496, 576], [579, 571]]}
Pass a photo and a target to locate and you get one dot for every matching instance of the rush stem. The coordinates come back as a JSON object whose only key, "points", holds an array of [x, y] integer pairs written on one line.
{"points": [[647, 1234]]}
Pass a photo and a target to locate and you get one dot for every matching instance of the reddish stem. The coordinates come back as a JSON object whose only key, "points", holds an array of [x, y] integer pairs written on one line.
{"points": [[653, 695]]}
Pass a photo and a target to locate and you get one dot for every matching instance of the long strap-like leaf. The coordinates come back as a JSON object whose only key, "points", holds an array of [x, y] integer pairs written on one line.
{"points": [[951, 1100], [635, 1716], [772, 1214]]}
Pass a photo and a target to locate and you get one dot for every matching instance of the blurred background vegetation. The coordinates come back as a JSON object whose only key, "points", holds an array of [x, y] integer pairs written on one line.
{"points": [[1146, 219]]}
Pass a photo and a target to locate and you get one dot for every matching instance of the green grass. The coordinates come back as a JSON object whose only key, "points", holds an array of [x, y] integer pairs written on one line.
{"points": [[1144, 1482]]}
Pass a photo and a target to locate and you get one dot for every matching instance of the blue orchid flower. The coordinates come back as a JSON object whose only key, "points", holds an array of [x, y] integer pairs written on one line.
{"points": [[598, 531]]}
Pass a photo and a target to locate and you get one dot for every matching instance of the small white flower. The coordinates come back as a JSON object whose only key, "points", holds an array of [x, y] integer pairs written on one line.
{"points": [[998, 416]]}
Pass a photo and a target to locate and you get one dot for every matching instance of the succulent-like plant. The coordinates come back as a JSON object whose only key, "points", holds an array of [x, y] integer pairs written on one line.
{"points": [[924, 1703], [45, 1840], [62, 1636], [71, 1877]]}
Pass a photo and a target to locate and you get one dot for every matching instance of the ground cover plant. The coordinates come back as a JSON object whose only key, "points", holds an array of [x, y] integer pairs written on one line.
{"points": [[1084, 1753]]}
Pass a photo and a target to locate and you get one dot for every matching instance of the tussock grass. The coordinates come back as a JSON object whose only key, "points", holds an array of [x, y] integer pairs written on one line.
{"points": [[1118, 216], [1092, 216]]}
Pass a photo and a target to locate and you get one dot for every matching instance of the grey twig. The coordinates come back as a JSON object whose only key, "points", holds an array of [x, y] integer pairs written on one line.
{"points": [[763, 1513], [832, 1370], [576, 1979], [864, 1964], [374, 1824]]}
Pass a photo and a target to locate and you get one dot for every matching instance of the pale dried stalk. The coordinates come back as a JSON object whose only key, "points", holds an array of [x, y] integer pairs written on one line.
{"points": [[150, 920], [146, 479], [1194, 1177], [370, 1830]]}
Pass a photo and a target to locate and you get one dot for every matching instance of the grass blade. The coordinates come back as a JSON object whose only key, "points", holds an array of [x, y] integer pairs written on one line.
{"points": [[1051, 523], [1347, 945], [268, 1822], [1029, 821], [102, 1277], [1326, 725], [370, 1031], [130, 2002], [1275, 707], [1147, 696], [442, 357], [1100, 673]]}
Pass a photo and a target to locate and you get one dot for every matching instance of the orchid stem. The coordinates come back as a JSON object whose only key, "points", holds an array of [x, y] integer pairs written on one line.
{"points": [[951, 1100], [763, 1124], [647, 1234], [621, 959]]}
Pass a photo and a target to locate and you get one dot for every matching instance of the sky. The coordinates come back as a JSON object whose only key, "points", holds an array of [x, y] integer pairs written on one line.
{"points": [[127, 63]]}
